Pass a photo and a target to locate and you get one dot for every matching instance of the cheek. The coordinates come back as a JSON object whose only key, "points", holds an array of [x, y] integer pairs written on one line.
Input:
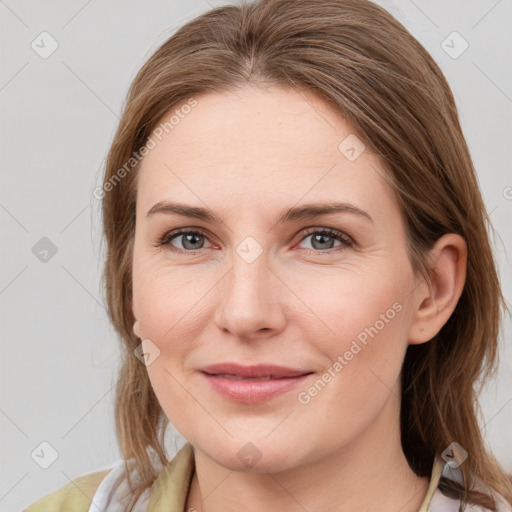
{"points": [[169, 305], [167, 302], [363, 321], [363, 358], [349, 303]]}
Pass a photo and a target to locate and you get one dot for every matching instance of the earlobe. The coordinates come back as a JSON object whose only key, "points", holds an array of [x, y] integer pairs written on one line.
{"points": [[434, 303], [136, 323], [136, 328]]}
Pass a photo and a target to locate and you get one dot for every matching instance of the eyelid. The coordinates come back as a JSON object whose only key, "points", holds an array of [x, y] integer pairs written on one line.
{"points": [[347, 240], [175, 233], [334, 232]]}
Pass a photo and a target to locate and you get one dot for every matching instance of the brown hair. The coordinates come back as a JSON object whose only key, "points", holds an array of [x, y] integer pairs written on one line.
{"points": [[360, 60]]}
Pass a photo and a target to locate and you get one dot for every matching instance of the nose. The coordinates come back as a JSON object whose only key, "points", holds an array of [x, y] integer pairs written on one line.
{"points": [[251, 300]]}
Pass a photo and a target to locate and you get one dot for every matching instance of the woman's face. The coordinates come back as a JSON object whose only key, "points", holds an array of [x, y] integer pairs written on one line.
{"points": [[259, 288]]}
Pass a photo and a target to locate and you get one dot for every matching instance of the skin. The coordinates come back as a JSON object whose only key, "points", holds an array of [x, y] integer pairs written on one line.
{"points": [[248, 155]]}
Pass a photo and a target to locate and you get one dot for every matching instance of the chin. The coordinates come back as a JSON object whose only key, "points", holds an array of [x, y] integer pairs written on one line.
{"points": [[258, 456]]}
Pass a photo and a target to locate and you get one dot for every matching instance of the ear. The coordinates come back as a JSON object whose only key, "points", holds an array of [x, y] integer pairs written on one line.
{"points": [[433, 304]]}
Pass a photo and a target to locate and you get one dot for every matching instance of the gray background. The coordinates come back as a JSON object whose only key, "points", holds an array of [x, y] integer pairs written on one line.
{"points": [[58, 115]]}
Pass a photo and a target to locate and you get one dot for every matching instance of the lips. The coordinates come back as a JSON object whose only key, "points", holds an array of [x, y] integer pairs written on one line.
{"points": [[252, 384], [235, 371]]}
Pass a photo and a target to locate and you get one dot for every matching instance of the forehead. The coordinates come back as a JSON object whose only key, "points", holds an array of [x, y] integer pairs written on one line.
{"points": [[264, 146]]}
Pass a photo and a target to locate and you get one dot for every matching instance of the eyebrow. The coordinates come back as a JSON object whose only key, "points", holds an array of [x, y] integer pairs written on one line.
{"points": [[294, 213]]}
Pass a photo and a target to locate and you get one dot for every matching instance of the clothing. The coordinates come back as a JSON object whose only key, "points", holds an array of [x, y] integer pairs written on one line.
{"points": [[107, 491]]}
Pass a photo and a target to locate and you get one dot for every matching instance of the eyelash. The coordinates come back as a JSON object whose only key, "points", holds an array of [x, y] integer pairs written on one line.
{"points": [[338, 235]]}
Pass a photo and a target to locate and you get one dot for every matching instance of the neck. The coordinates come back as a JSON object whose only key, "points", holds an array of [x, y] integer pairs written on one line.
{"points": [[371, 473]]}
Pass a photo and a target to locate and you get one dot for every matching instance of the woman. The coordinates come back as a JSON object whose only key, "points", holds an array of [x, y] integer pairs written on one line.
{"points": [[303, 377]]}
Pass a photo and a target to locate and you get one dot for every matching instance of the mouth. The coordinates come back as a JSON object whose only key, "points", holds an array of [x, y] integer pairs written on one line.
{"points": [[252, 384], [239, 377], [261, 371]]}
